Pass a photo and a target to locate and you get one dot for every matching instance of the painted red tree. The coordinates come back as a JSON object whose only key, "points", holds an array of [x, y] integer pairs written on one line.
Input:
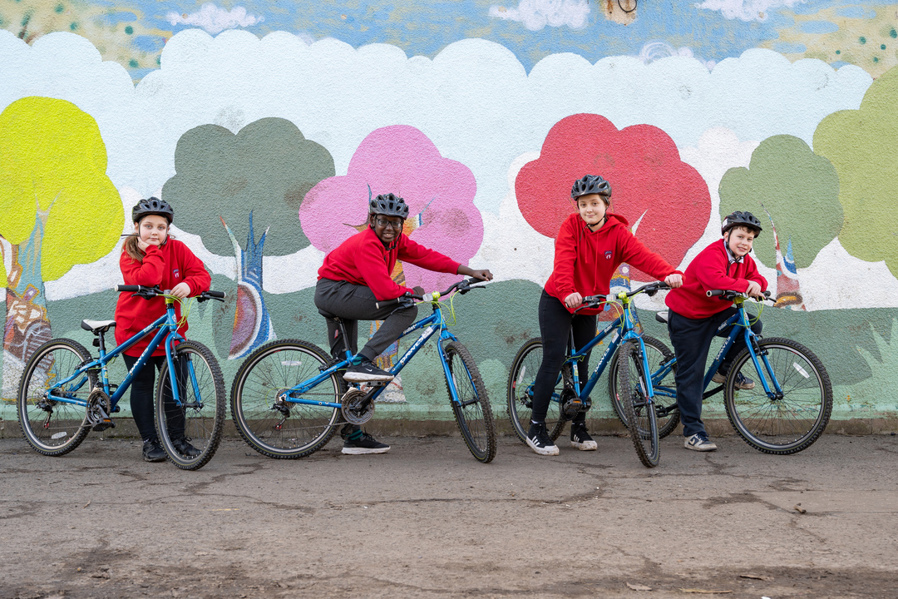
{"points": [[665, 200]]}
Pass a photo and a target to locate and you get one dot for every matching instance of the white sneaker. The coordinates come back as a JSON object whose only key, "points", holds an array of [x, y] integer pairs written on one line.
{"points": [[538, 440], [581, 439], [700, 442]]}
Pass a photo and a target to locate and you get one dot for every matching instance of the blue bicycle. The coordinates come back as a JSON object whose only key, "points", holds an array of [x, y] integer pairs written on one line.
{"points": [[65, 392], [571, 395], [289, 397]]}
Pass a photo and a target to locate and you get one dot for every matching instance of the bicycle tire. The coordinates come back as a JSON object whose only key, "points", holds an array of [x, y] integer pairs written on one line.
{"points": [[60, 427], [793, 423], [202, 408], [640, 414], [283, 430], [473, 412], [520, 384], [657, 353]]}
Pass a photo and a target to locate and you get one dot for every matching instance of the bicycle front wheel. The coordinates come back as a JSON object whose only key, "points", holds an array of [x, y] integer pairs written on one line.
{"points": [[520, 392], [472, 409], [54, 427], [270, 424], [787, 424], [190, 432], [665, 386], [640, 412]]}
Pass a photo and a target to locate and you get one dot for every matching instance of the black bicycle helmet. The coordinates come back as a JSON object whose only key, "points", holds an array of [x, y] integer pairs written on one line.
{"points": [[741, 219], [591, 184], [152, 206], [389, 205]]}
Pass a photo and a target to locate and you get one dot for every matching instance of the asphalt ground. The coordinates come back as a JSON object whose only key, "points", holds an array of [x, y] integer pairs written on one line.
{"points": [[427, 520]]}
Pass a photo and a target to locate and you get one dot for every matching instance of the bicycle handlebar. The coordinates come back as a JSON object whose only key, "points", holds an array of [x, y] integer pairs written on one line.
{"points": [[729, 294], [463, 286], [649, 289], [149, 292]]}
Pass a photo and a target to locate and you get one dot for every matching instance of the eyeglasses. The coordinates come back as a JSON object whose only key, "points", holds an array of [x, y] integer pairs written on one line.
{"points": [[386, 223]]}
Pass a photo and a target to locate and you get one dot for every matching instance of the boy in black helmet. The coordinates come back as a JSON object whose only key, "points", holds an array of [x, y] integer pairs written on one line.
{"points": [[355, 276], [695, 318]]}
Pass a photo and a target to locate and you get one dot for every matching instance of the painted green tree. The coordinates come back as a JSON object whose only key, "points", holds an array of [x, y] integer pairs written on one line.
{"points": [[59, 209], [230, 187], [863, 146]]}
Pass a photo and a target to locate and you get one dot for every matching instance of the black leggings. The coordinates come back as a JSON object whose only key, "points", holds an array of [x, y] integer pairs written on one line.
{"points": [[555, 325], [142, 391]]}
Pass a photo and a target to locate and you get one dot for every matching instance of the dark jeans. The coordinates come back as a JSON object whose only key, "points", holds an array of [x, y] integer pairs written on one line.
{"points": [[555, 325], [142, 390], [691, 340], [356, 302]]}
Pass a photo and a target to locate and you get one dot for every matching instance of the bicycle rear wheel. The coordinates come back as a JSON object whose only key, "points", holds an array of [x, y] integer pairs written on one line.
{"points": [[199, 419], [472, 409], [520, 392], [666, 413], [267, 422], [787, 424], [55, 428], [639, 412]]}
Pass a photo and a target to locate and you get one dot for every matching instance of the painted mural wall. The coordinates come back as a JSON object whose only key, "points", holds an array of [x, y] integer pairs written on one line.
{"points": [[268, 127]]}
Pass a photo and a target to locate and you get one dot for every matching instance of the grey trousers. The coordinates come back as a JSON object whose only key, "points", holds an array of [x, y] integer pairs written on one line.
{"points": [[352, 303]]}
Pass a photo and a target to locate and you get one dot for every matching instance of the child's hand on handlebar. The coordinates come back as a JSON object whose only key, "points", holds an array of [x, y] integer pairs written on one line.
{"points": [[573, 301], [754, 290], [181, 290], [674, 280], [482, 275]]}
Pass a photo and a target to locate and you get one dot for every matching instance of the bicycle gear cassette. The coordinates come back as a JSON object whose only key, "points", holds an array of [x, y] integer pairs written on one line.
{"points": [[356, 407]]}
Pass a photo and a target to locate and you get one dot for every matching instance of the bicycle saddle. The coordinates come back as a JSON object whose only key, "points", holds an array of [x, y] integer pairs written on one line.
{"points": [[97, 326]]}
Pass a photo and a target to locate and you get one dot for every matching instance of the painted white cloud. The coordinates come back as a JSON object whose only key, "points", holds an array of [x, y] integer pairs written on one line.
{"points": [[536, 14], [474, 100], [746, 10], [656, 50], [215, 19]]}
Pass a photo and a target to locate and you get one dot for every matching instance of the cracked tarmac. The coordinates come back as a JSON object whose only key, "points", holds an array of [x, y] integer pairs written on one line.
{"points": [[427, 520]]}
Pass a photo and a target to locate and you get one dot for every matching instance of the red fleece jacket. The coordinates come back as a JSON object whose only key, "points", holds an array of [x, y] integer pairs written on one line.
{"points": [[167, 266], [585, 260], [711, 269], [363, 259]]}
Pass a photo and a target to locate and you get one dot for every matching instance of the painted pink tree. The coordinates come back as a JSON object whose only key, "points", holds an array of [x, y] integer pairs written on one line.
{"points": [[439, 192]]}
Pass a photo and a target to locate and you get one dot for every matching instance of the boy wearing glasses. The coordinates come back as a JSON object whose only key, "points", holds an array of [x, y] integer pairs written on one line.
{"points": [[355, 276]]}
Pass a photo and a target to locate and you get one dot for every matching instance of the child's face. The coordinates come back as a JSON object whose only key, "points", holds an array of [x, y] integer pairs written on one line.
{"points": [[387, 228], [592, 208], [152, 229], [739, 240]]}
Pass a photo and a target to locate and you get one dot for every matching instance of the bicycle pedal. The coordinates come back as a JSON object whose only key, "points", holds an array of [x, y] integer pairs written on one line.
{"points": [[102, 426]]}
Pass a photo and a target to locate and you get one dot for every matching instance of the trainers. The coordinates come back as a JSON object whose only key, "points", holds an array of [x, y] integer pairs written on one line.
{"points": [[184, 447], [364, 372], [742, 381], [152, 451], [699, 442], [581, 439], [538, 440], [364, 444]]}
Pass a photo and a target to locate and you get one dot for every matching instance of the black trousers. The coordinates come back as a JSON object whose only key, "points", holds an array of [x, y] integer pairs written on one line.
{"points": [[357, 302], [691, 339], [142, 391], [555, 326]]}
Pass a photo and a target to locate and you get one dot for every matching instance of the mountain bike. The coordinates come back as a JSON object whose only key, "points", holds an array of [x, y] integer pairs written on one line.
{"points": [[785, 412], [289, 397], [65, 393], [569, 397]]}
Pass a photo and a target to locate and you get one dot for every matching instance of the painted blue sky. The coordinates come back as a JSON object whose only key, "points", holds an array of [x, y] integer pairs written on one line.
{"points": [[532, 29]]}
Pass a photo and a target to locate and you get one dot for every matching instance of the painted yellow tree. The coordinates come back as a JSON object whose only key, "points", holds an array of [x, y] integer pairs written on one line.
{"points": [[59, 209]]}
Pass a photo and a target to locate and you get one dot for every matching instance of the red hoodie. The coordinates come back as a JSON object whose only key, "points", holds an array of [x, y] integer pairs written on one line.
{"points": [[711, 269], [363, 259], [585, 260], [167, 266]]}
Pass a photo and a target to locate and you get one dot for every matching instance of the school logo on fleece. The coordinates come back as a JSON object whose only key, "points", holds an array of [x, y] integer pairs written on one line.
{"points": [[607, 254], [176, 273]]}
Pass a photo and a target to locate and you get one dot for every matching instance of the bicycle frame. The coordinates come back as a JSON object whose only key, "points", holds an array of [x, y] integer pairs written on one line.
{"points": [[168, 332], [433, 323]]}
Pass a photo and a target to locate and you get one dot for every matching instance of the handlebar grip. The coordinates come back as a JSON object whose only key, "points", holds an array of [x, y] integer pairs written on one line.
{"points": [[123, 288], [216, 294], [386, 303], [716, 292]]}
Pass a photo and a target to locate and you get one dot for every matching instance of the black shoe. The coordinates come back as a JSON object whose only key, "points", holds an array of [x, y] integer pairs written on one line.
{"points": [[580, 437], [539, 441], [365, 372], [152, 451], [364, 444], [184, 447]]}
